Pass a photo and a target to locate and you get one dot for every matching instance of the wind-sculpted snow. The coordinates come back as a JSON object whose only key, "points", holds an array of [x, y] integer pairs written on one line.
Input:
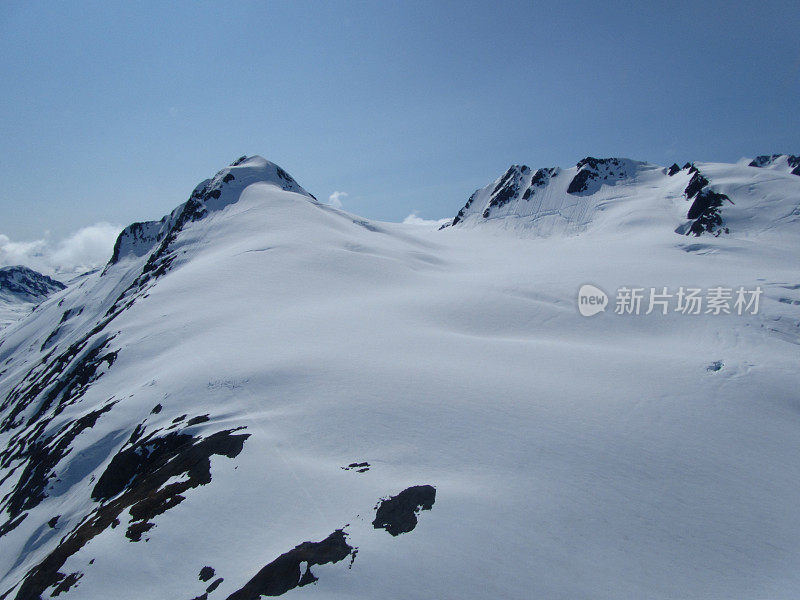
{"points": [[260, 385]]}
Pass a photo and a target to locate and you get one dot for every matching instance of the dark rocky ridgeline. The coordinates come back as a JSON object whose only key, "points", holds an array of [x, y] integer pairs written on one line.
{"points": [[26, 285], [674, 168], [463, 211], [135, 480], [594, 169], [284, 573], [398, 514], [705, 210]]}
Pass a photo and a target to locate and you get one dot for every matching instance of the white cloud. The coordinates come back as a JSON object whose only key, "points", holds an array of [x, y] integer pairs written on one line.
{"points": [[335, 199], [413, 219], [87, 248]]}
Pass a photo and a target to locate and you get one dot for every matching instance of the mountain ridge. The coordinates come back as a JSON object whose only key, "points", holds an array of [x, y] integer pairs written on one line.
{"points": [[554, 199]]}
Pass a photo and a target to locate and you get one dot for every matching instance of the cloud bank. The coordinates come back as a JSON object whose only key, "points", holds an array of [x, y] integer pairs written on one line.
{"points": [[86, 249], [413, 219]]}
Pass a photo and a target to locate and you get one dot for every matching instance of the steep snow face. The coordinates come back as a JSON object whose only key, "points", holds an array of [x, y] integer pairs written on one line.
{"points": [[281, 398], [21, 289], [693, 200]]}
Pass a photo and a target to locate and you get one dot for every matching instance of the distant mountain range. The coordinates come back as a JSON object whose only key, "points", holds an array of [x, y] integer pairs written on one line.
{"points": [[21, 289]]}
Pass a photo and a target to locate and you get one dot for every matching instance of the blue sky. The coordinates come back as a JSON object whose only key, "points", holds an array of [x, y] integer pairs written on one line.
{"points": [[113, 111]]}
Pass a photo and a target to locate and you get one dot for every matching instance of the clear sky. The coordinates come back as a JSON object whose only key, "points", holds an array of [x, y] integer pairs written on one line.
{"points": [[113, 111]]}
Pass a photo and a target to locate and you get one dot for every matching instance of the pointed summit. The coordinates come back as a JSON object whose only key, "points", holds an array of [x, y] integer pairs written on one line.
{"points": [[225, 188]]}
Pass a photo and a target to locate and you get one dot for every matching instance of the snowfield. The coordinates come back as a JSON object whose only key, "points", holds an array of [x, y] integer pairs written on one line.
{"points": [[211, 397]]}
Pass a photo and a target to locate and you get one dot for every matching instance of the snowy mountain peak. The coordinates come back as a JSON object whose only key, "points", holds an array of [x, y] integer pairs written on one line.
{"points": [[696, 199], [210, 195], [22, 284]]}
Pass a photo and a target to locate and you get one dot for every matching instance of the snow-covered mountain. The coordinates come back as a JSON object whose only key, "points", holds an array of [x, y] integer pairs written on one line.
{"points": [[21, 289], [263, 395], [697, 199]]}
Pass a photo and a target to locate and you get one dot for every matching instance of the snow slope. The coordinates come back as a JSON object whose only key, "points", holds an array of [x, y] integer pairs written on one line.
{"points": [[260, 370]]}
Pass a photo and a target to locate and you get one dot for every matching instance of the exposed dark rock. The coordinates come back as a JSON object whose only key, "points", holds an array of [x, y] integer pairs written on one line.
{"points": [[398, 514], [705, 211], [66, 582], [41, 457], [696, 183], [542, 176], [206, 573], [673, 169], [462, 212], [60, 380], [197, 420], [580, 182], [52, 522], [12, 524], [148, 465], [507, 188], [284, 573], [361, 467], [214, 584], [589, 169]]}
